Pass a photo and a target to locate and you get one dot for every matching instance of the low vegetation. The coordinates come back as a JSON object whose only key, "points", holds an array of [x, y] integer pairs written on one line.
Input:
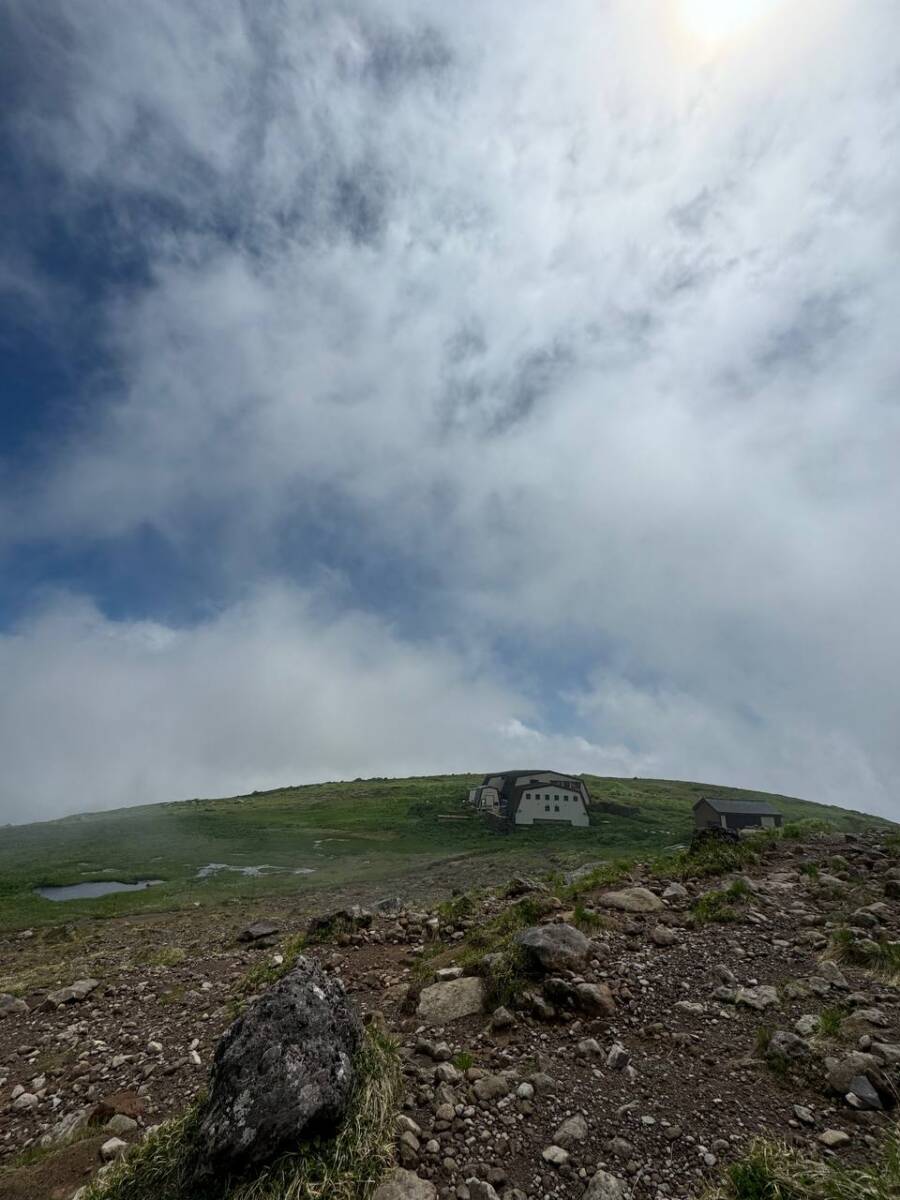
{"points": [[719, 905], [342, 1167], [771, 1170], [882, 958], [327, 835]]}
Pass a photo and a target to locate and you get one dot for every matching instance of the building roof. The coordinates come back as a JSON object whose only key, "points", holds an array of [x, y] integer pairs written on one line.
{"points": [[756, 808], [537, 771]]}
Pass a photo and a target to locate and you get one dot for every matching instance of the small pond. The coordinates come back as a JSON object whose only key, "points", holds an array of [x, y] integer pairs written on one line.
{"points": [[88, 891]]}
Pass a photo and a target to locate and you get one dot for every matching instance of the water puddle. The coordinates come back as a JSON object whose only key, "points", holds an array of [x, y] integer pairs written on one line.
{"points": [[89, 891]]}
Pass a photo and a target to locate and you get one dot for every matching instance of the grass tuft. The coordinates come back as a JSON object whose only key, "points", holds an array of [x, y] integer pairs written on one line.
{"points": [[718, 906], [772, 1170], [344, 1167], [882, 958], [264, 974]]}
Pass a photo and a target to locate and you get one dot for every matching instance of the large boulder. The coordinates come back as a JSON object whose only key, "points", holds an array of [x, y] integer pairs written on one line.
{"points": [[554, 947], [632, 900], [442, 1003], [283, 1069]]}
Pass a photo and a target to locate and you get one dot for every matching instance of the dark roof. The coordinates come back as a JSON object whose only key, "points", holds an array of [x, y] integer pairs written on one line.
{"points": [[536, 771], [759, 808]]}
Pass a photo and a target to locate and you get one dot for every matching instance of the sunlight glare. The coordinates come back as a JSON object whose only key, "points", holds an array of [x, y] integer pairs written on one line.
{"points": [[716, 20]]}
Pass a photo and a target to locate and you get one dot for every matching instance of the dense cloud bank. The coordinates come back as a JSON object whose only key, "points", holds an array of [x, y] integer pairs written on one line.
{"points": [[510, 383]]}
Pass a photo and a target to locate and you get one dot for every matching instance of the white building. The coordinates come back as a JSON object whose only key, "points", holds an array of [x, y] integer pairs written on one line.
{"points": [[533, 798]]}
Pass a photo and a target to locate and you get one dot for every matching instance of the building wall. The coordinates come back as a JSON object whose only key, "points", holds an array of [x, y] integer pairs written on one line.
{"points": [[548, 803], [705, 816]]}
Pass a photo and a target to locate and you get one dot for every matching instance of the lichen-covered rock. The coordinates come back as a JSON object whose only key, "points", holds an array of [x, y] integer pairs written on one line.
{"points": [[555, 947], [284, 1068]]}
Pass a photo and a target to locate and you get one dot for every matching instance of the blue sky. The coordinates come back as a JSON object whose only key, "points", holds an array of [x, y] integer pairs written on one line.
{"points": [[417, 390]]}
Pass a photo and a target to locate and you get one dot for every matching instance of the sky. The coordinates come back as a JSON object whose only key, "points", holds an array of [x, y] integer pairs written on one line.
{"points": [[409, 388]]}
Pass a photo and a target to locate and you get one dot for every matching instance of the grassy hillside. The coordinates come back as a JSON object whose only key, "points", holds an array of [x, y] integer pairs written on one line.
{"points": [[328, 835]]}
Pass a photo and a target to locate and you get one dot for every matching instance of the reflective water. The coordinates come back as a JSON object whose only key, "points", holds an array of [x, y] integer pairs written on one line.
{"points": [[88, 891]]}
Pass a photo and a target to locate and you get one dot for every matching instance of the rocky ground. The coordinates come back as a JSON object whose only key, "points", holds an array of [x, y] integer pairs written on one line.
{"points": [[647, 1041]]}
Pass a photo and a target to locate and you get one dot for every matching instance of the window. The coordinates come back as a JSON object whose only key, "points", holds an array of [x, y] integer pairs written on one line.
{"points": [[556, 808], [546, 808]]}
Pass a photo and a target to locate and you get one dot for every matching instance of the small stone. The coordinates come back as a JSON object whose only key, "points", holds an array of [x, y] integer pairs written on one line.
{"points": [[120, 1124], [112, 1149], [834, 1138], [618, 1057], [555, 1155], [573, 1129]]}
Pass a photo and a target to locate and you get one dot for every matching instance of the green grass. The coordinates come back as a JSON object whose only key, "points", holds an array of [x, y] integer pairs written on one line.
{"points": [[718, 906], [344, 1167], [264, 974], [367, 831], [880, 957], [830, 1021], [771, 1170]]}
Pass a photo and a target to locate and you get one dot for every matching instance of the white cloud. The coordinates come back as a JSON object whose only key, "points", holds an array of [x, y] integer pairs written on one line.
{"points": [[594, 324]]}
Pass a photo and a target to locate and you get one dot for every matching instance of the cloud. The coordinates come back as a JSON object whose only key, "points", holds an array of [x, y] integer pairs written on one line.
{"points": [[569, 340]]}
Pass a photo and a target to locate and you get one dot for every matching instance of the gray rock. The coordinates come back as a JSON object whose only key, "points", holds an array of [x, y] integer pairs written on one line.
{"points": [[11, 1005], [834, 1138], [389, 906], [480, 1190], [618, 1057], [399, 1184], [442, 1003], [595, 998], [555, 947], [555, 1155], [804, 1114], [862, 1095], [675, 891], [25, 1100], [604, 1186], [832, 973], [841, 1072], [257, 930], [79, 990], [759, 998], [113, 1149], [787, 1045], [632, 900], [283, 1067], [491, 1087], [661, 935], [806, 1025], [572, 1130], [120, 1124]]}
